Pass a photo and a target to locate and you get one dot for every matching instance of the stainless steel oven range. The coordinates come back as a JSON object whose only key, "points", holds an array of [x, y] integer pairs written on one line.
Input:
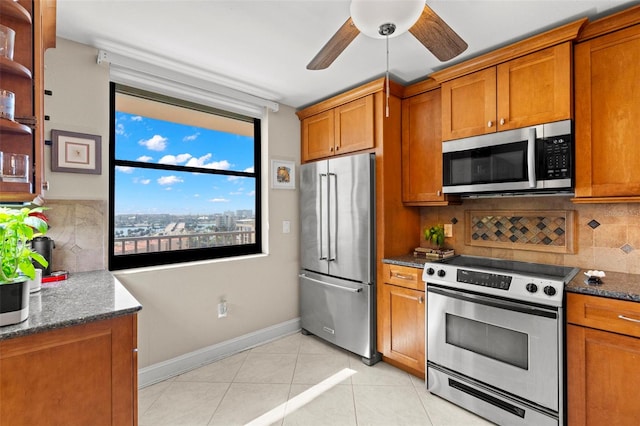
{"points": [[495, 341]]}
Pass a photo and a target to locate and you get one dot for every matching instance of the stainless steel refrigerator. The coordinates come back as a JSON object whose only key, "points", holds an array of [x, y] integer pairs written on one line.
{"points": [[337, 281]]}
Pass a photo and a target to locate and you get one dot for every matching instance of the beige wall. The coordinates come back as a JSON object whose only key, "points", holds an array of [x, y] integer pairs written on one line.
{"points": [[179, 302]]}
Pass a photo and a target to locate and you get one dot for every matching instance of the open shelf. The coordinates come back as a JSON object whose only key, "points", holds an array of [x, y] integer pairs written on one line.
{"points": [[13, 127], [15, 10], [11, 67]]}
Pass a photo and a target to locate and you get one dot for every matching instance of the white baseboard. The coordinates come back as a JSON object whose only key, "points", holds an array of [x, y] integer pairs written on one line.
{"points": [[166, 369]]}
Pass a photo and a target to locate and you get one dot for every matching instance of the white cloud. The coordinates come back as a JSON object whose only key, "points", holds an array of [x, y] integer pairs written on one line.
{"points": [[219, 200], [119, 129], [248, 170], [145, 181], [136, 118], [156, 143], [169, 180], [251, 194], [191, 137], [175, 159], [203, 162], [144, 158], [124, 169]]}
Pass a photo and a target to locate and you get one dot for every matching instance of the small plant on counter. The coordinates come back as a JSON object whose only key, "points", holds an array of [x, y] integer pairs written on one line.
{"points": [[17, 228], [435, 235]]}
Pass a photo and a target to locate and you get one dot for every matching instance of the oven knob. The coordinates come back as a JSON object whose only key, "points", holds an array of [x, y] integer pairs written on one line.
{"points": [[549, 291], [531, 288], [441, 273], [430, 271]]}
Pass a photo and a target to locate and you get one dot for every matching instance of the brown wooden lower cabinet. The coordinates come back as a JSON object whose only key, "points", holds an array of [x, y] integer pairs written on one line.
{"points": [[79, 375], [603, 359], [401, 319]]}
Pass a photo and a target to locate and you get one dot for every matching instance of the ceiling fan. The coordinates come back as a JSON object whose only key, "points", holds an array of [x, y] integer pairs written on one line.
{"points": [[390, 18]]}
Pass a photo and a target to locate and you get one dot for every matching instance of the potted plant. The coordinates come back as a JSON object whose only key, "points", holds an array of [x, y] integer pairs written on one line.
{"points": [[17, 228], [435, 236]]}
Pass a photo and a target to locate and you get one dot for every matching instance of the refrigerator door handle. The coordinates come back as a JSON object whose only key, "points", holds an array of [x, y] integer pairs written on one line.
{"points": [[324, 202], [350, 290], [333, 218]]}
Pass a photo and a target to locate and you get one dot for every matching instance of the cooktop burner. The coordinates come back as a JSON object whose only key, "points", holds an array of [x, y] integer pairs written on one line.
{"points": [[532, 282], [533, 269]]}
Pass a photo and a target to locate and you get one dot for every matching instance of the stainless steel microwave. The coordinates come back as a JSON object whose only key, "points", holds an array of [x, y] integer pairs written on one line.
{"points": [[537, 159]]}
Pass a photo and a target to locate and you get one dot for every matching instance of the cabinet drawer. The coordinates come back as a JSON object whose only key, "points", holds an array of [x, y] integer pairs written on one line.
{"points": [[403, 276], [618, 316]]}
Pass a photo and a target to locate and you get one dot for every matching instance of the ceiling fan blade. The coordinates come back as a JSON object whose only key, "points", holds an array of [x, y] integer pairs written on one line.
{"points": [[334, 46], [437, 36]]}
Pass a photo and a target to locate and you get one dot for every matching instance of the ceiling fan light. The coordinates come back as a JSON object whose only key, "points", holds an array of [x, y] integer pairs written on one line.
{"points": [[369, 15]]}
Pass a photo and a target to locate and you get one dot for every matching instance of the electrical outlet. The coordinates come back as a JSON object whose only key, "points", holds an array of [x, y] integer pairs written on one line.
{"points": [[448, 230], [222, 309]]}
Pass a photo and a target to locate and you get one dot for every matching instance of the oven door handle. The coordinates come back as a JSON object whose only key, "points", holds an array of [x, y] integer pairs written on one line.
{"points": [[491, 301]]}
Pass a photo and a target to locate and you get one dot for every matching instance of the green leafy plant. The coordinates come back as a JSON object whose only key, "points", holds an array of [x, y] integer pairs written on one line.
{"points": [[17, 227], [435, 235]]}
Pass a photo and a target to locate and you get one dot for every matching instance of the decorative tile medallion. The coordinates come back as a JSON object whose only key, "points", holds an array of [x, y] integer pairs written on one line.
{"points": [[521, 230], [627, 248], [593, 224]]}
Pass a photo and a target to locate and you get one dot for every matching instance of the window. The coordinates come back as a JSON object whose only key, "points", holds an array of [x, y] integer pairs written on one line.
{"points": [[184, 182]]}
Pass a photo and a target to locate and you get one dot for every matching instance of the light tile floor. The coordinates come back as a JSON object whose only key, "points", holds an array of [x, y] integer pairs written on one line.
{"points": [[293, 381]]}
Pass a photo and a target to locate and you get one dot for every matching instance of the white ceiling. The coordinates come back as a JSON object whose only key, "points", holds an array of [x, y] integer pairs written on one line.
{"points": [[262, 47]]}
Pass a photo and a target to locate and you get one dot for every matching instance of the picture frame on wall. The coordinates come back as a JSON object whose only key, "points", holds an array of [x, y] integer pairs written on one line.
{"points": [[283, 174], [73, 152]]}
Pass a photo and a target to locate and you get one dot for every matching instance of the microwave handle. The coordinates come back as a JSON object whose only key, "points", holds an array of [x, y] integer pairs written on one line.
{"points": [[531, 157]]}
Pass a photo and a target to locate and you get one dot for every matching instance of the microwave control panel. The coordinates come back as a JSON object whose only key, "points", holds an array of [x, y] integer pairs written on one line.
{"points": [[556, 157]]}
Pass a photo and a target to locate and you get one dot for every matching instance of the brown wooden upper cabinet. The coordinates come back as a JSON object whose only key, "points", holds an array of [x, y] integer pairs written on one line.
{"points": [[529, 90], [340, 130], [34, 24], [607, 72], [422, 148]]}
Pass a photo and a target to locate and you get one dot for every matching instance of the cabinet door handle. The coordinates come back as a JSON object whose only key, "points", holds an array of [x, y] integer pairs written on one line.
{"points": [[502, 121], [337, 148], [439, 193], [622, 317], [403, 277], [420, 299], [330, 149], [489, 123]]}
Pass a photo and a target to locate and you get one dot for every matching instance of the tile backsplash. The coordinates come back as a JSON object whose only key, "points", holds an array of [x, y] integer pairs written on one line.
{"points": [[606, 236], [79, 231]]}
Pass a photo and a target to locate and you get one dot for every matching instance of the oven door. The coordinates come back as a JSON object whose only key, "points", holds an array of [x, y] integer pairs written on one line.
{"points": [[511, 346]]}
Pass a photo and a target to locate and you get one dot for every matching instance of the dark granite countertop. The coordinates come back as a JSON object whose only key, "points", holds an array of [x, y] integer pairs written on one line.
{"points": [[407, 260], [84, 297], [615, 285]]}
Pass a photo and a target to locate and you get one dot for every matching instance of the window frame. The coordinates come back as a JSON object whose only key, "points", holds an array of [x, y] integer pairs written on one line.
{"points": [[139, 260]]}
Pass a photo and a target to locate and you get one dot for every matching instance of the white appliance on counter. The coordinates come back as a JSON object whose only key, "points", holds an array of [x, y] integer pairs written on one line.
{"points": [[337, 280]]}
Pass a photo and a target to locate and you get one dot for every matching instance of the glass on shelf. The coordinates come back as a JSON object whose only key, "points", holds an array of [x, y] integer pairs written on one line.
{"points": [[7, 104], [7, 40], [14, 167]]}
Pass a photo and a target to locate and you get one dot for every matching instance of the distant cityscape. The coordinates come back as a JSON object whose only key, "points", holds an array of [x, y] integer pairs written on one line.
{"points": [[142, 225]]}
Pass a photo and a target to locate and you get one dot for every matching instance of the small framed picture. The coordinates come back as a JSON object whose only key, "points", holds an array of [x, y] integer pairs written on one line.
{"points": [[283, 174], [75, 152]]}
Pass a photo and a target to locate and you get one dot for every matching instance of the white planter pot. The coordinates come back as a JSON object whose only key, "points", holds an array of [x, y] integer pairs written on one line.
{"points": [[14, 302]]}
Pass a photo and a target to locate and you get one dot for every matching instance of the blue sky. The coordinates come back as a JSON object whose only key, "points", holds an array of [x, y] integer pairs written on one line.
{"points": [[147, 191]]}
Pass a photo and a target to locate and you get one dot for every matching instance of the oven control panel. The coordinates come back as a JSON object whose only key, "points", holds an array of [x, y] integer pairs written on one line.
{"points": [[514, 286], [485, 279]]}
